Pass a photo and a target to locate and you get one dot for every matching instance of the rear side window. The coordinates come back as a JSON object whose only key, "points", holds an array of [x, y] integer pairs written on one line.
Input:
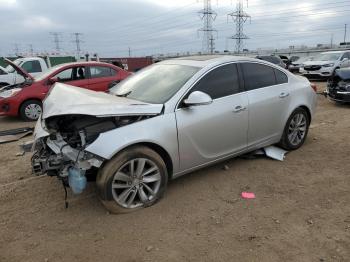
{"points": [[101, 71], [281, 77], [220, 82], [32, 66], [258, 76]]}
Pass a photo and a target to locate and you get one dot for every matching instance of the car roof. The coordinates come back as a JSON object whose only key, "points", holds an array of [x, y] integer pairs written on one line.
{"points": [[207, 60], [85, 63], [335, 52]]}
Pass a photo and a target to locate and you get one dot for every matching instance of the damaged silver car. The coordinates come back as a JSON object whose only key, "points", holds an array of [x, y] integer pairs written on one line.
{"points": [[167, 120]]}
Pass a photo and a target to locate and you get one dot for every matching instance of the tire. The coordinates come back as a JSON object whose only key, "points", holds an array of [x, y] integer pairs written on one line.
{"points": [[30, 110], [291, 131], [131, 193]]}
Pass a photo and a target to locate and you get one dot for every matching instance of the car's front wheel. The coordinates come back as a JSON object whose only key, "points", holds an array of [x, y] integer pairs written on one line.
{"points": [[296, 130], [135, 178], [31, 110]]}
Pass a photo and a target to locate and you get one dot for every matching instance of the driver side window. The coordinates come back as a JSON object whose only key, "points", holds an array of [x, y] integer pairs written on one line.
{"points": [[71, 74], [65, 75], [220, 82]]}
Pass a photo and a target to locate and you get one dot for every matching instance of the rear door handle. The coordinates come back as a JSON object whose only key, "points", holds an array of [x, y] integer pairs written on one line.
{"points": [[238, 109], [283, 95]]}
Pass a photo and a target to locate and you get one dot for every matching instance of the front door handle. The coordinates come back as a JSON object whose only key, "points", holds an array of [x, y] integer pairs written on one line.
{"points": [[238, 109], [283, 95]]}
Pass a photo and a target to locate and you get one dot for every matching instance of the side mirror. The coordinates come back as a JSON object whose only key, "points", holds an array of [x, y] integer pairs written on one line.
{"points": [[198, 98], [52, 80]]}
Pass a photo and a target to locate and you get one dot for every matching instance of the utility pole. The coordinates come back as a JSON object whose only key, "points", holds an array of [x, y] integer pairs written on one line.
{"points": [[208, 16], [31, 50], [16, 49], [77, 41], [345, 32], [332, 40], [129, 52], [239, 17], [56, 40]]}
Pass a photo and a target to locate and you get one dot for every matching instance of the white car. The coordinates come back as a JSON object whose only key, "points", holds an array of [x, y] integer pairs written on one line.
{"points": [[324, 64], [7, 78]]}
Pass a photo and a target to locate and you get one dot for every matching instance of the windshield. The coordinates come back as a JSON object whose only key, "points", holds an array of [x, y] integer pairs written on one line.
{"points": [[302, 59], [155, 84], [327, 57]]}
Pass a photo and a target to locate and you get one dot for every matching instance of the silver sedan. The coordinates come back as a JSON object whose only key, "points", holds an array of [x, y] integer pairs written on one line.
{"points": [[167, 120]]}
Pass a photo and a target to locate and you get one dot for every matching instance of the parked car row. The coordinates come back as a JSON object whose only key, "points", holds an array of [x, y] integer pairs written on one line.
{"points": [[324, 64], [167, 120], [25, 99]]}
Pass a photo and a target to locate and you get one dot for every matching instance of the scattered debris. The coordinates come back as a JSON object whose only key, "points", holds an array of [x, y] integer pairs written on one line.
{"points": [[270, 151], [26, 147], [276, 220], [149, 248], [20, 153], [16, 131], [248, 195], [11, 138], [226, 167], [275, 152], [310, 221]]}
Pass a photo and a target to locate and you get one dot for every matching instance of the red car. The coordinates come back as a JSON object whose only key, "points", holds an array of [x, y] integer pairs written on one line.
{"points": [[24, 99]]}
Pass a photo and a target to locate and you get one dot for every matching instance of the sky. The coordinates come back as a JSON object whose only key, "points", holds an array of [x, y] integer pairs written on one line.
{"points": [[148, 27]]}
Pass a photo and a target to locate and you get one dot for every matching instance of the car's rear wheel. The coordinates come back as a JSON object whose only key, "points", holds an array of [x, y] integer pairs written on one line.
{"points": [[31, 110], [135, 178], [296, 130]]}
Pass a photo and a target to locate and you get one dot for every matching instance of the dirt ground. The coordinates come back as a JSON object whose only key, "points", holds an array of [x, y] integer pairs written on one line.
{"points": [[301, 211]]}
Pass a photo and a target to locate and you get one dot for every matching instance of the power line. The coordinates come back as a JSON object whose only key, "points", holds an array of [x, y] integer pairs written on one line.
{"points": [[77, 41], [56, 40], [239, 17], [345, 33], [31, 49], [208, 16], [16, 49]]}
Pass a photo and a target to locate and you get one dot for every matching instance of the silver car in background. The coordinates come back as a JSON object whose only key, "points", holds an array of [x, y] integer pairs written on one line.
{"points": [[167, 120]]}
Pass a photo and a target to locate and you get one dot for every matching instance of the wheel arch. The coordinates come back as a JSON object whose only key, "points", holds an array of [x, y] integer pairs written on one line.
{"points": [[307, 111], [158, 149], [25, 100]]}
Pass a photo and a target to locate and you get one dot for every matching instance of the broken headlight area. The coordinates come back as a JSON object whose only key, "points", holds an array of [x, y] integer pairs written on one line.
{"points": [[63, 154], [338, 87]]}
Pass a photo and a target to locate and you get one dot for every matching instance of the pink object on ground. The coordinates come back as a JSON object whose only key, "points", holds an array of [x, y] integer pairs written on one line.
{"points": [[248, 195]]}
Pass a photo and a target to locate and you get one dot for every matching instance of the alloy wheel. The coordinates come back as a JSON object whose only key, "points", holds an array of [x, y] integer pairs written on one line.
{"points": [[136, 183], [297, 129]]}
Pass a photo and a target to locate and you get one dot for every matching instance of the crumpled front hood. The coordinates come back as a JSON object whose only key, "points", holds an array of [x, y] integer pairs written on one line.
{"points": [[318, 62], [67, 100]]}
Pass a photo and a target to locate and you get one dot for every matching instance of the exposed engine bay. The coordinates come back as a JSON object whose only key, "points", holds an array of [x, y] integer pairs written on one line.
{"points": [[62, 153], [338, 87]]}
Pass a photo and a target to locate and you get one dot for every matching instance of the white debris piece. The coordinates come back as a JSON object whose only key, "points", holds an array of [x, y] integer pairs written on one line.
{"points": [[275, 152]]}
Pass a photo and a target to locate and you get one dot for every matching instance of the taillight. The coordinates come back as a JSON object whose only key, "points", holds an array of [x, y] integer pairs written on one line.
{"points": [[314, 87]]}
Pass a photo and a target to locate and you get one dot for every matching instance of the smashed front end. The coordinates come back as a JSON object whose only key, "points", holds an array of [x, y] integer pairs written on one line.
{"points": [[338, 87], [73, 118], [60, 143]]}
